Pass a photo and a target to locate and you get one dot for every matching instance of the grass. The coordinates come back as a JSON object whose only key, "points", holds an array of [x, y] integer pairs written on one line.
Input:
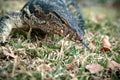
{"points": [[56, 58]]}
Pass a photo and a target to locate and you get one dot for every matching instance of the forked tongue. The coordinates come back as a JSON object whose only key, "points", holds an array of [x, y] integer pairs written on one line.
{"points": [[83, 42]]}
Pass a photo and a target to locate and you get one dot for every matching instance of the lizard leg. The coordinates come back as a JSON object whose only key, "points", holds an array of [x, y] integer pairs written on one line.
{"points": [[8, 22]]}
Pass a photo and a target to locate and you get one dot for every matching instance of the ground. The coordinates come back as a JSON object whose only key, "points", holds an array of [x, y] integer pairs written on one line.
{"points": [[56, 58]]}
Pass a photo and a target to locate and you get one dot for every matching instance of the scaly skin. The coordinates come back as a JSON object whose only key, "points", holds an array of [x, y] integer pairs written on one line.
{"points": [[50, 16], [8, 22]]}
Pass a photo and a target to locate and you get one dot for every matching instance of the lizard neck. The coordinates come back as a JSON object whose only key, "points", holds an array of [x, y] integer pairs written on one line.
{"points": [[7, 23], [12, 20], [15, 20]]}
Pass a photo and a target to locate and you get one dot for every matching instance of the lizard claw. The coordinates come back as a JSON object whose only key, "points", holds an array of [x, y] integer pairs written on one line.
{"points": [[3, 43]]}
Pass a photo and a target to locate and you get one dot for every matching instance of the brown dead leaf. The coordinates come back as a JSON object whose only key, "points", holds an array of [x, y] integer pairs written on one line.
{"points": [[47, 79], [113, 65], [106, 46], [94, 68]]}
